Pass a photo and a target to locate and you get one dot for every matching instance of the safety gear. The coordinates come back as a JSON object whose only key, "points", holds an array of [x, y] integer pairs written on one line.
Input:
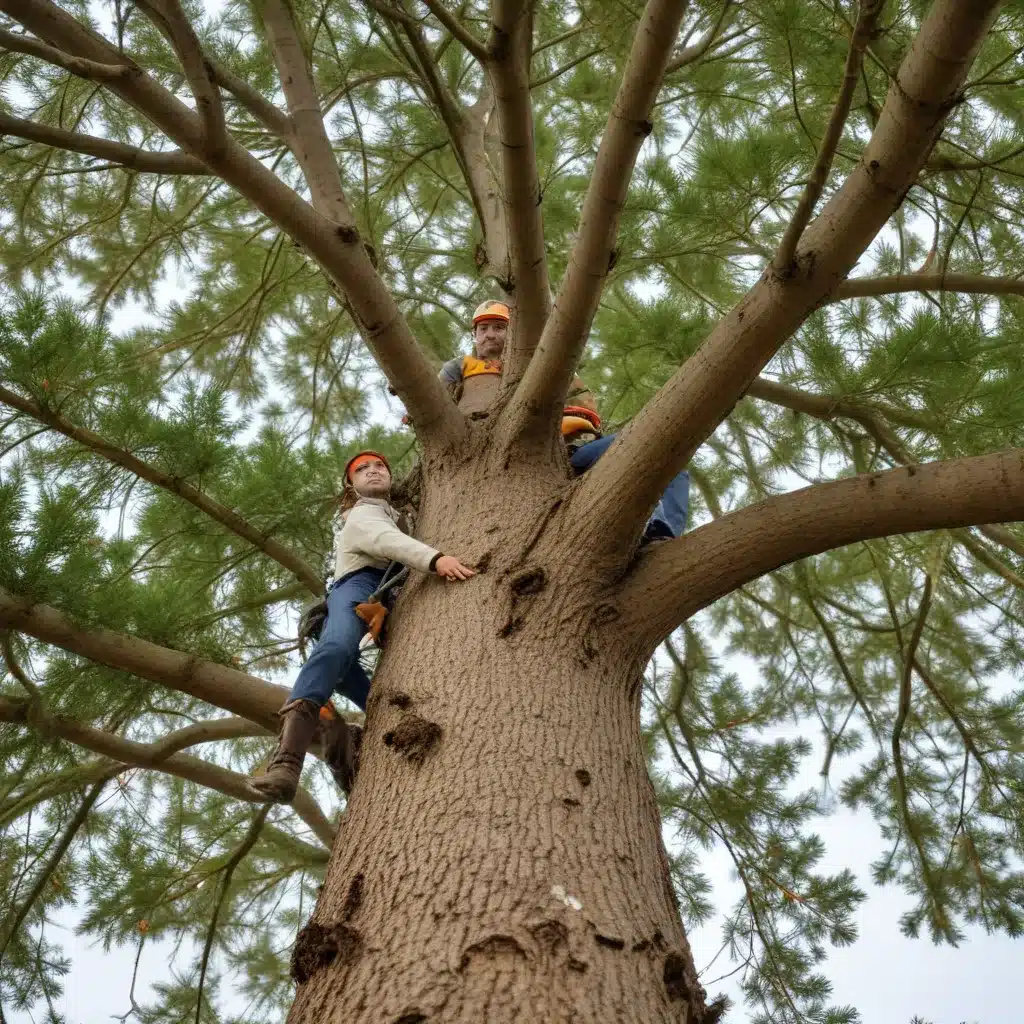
{"points": [[280, 782], [359, 458], [473, 366], [481, 381], [374, 610], [492, 309], [577, 419]]}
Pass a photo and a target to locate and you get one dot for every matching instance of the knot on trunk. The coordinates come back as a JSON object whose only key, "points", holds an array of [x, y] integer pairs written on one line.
{"points": [[413, 738], [492, 948], [318, 946], [681, 984]]}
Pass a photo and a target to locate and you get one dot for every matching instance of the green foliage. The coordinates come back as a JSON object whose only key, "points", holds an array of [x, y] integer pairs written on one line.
{"points": [[205, 342]]}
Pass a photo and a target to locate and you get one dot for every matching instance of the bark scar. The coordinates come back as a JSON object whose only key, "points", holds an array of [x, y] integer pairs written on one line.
{"points": [[317, 947], [413, 738]]}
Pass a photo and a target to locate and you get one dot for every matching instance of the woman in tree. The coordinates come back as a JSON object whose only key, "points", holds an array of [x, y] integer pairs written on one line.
{"points": [[367, 542]]}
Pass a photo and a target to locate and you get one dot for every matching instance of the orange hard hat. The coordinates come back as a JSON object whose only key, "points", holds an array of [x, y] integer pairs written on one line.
{"points": [[359, 458], [492, 309]]}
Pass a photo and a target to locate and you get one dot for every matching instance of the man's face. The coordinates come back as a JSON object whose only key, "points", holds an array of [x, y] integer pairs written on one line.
{"points": [[371, 479], [489, 338]]}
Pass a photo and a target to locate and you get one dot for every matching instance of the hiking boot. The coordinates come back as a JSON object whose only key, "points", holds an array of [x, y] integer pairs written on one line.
{"points": [[299, 719], [340, 746]]}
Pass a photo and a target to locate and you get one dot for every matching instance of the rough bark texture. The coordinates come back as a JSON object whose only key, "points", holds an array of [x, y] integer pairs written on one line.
{"points": [[501, 857]]}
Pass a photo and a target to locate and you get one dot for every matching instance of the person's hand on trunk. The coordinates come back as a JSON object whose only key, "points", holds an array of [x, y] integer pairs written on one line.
{"points": [[450, 568]]}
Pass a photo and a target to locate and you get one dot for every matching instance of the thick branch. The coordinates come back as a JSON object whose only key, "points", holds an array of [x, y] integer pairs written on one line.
{"points": [[458, 31], [618, 493], [339, 250], [219, 513], [223, 687], [862, 33], [540, 397], [508, 65], [974, 284], [676, 579], [135, 159], [163, 756], [310, 143]]}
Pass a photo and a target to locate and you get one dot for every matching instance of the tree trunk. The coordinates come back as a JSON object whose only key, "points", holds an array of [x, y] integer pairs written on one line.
{"points": [[501, 855]]}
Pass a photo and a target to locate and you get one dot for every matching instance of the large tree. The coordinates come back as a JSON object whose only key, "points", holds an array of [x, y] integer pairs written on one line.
{"points": [[674, 200]]}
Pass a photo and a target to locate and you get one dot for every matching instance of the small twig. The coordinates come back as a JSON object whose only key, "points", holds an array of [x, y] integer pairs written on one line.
{"points": [[14, 921], [229, 869], [897, 730], [869, 12], [689, 54], [135, 1008]]}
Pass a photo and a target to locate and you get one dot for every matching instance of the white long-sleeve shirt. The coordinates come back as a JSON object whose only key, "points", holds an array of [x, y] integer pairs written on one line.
{"points": [[370, 536]]}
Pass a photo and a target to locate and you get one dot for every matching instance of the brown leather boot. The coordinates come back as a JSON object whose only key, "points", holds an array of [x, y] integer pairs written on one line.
{"points": [[299, 719], [340, 747]]}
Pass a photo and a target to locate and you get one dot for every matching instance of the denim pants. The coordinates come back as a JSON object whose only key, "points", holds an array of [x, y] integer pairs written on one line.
{"points": [[669, 516], [334, 667]]}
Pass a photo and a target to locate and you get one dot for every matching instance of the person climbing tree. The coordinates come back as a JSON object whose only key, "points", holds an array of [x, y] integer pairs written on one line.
{"points": [[474, 380], [368, 541]]}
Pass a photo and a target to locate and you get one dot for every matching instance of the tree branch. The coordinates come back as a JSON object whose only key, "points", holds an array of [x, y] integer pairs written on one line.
{"points": [[172, 21], [219, 513], [251, 835], [862, 33], [131, 157], [902, 794], [827, 407], [974, 284], [90, 69], [338, 250], [509, 49], [261, 108], [163, 756], [310, 143], [676, 579], [539, 399], [616, 495], [223, 687], [690, 54], [15, 919], [458, 31]]}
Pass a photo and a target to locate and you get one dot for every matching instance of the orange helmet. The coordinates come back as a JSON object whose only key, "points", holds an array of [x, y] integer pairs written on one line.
{"points": [[359, 458], [492, 309]]}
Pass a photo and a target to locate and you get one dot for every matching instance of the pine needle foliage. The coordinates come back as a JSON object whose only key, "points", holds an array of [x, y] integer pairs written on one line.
{"points": [[164, 314]]}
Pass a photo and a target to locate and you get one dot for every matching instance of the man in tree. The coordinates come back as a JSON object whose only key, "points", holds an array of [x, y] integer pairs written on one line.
{"points": [[473, 382], [369, 539]]}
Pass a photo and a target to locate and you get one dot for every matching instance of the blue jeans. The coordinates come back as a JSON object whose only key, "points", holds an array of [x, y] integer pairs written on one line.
{"points": [[669, 516], [334, 667]]}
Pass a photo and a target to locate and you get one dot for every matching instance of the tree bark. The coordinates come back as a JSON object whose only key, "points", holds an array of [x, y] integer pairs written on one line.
{"points": [[500, 858]]}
